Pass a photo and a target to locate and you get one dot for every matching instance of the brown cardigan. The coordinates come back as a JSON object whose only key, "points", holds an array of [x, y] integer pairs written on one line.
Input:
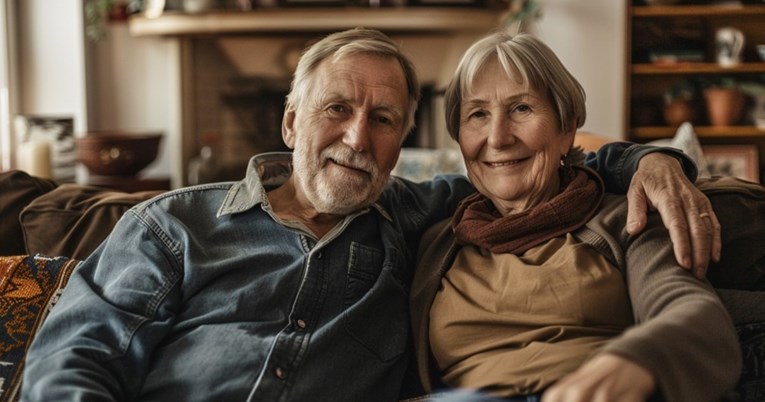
{"points": [[696, 362]]}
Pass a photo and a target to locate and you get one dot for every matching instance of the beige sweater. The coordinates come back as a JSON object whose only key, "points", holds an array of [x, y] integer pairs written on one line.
{"points": [[683, 334]]}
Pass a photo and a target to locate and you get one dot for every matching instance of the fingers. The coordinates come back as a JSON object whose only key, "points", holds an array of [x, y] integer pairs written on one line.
{"points": [[685, 211], [605, 378], [674, 217], [637, 210], [706, 240]]}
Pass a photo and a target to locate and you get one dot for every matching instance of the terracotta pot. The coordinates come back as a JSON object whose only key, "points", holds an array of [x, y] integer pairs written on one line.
{"points": [[725, 106], [678, 111]]}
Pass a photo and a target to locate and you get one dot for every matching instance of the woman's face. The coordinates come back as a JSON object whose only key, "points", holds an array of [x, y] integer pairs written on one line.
{"points": [[511, 141]]}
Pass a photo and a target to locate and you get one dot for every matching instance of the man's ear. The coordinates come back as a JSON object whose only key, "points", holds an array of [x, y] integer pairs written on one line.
{"points": [[288, 127]]}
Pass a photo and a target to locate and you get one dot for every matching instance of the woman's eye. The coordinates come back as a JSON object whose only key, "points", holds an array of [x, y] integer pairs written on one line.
{"points": [[477, 114], [523, 108], [384, 120]]}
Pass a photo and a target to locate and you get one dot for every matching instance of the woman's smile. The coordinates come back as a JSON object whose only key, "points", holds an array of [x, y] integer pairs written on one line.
{"points": [[511, 162]]}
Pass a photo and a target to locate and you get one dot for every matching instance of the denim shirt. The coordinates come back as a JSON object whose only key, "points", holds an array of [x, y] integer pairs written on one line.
{"points": [[203, 294]]}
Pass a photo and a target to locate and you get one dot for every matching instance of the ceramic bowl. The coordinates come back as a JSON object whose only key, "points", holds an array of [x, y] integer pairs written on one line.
{"points": [[117, 153]]}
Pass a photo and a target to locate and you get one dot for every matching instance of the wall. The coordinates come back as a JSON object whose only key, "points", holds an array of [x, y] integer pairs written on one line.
{"points": [[50, 56], [588, 36], [51, 53]]}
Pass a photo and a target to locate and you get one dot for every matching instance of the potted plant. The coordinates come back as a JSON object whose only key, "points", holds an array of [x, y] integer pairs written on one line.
{"points": [[725, 102], [519, 12], [680, 103], [97, 12]]}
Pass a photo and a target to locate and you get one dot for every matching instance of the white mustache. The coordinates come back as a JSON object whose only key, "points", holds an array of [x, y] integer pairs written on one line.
{"points": [[347, 157]]}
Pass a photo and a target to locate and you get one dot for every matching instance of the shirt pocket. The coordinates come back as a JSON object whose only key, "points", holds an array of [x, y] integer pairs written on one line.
{"points": [[376, 313]]}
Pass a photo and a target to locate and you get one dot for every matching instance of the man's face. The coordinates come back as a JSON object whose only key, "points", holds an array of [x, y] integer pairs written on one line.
{"points": [[347, 132]]}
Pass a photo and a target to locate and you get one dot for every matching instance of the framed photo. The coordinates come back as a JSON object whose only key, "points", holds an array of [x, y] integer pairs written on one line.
{"points": [[740, 161]]}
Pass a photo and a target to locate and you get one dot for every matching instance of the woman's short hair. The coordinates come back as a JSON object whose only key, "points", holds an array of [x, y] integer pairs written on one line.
{"points": [[350, 42], [527, 59]]}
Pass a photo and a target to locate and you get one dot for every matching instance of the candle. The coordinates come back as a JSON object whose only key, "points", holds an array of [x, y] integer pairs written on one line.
{"points": [[34, 158]]}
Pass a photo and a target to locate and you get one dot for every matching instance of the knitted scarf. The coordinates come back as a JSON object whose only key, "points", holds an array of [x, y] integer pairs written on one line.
{"points": [[478, 223]]}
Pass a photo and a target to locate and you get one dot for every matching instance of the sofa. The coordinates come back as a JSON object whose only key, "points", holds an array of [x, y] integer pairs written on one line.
{"points": [[46, 228]]}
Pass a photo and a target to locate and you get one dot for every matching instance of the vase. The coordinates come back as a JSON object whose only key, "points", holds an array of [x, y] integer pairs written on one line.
{"points": [[725, 106]]}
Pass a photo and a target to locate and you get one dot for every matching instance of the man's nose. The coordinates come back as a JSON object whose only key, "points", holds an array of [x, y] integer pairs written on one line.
{"points": [[357, 133]]}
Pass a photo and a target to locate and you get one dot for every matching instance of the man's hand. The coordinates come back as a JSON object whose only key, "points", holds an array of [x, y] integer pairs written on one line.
{"points": [[660, 184], [605, 378]]}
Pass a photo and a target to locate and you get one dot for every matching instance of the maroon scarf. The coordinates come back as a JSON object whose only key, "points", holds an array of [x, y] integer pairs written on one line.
{"points": [[477, 222]]}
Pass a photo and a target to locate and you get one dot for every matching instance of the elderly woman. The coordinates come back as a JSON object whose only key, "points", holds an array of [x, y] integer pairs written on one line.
{"points": [[534, 288]]}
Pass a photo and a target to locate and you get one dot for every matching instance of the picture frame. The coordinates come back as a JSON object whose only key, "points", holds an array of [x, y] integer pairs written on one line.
{"points": [[740, 161]]}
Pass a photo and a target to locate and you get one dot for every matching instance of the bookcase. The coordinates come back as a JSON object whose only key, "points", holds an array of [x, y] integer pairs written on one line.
{"points": [[671, 52]]}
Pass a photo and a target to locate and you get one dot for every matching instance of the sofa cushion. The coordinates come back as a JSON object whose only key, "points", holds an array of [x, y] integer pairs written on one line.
{"points": [[72, 220], [17, 190], [29, 287]]}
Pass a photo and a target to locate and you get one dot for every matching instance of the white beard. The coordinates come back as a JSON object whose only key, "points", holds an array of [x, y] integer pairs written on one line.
{"points": [[331, 191]]}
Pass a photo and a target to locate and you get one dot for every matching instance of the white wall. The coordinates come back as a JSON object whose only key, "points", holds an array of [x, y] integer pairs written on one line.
{"points": [[51, 51], [588, 36]]}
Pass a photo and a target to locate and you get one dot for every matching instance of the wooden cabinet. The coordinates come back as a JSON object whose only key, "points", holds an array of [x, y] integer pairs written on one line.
{"points": [[672, 48]]}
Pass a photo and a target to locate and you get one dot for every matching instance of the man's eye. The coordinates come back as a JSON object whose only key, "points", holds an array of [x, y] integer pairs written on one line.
{"points": [[336, 108], [384, 120]]}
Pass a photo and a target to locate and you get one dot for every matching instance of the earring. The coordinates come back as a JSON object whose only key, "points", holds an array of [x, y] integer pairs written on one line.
{"points": [[566, 167]]}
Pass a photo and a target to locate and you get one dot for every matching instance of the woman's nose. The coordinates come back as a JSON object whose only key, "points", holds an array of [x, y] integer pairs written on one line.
{"points": [[500, 133]]}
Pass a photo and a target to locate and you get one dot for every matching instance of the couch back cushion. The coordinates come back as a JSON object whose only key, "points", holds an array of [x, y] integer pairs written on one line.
{"points": [[72, 220], [17, 190]]}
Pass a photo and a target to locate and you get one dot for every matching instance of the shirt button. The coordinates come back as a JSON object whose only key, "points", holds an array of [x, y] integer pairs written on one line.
{"points": [[300, 324], [280, 373], [318, 255]]}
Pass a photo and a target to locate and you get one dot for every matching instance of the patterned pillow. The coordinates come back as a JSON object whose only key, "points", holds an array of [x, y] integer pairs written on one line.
{"points": [[29, 287]]}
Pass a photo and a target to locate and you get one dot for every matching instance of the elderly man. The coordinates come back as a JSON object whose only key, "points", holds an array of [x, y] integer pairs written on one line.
{"points": [[292, 283]]}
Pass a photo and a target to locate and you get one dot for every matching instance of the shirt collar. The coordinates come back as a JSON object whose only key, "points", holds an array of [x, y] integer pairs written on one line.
{"points": [[265, 171]]}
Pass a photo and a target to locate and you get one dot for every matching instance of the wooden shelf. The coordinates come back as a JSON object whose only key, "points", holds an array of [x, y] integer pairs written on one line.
{"points": [[297, 20], [652, 133], [698, 11], [697, 68]]}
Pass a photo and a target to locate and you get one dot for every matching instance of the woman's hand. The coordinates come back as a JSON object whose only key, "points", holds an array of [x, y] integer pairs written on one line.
{"points": [[605, 378], [660, 184]]}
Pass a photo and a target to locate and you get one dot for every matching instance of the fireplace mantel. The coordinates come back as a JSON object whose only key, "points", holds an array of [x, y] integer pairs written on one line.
{"points": [[296, 20]]}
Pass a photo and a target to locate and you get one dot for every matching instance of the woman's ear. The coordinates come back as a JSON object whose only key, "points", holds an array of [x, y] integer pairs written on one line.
{"points": [[288, 127], [568, 138]]}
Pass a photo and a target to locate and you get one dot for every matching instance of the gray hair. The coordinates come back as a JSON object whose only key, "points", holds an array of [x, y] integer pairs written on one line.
{"points": [[350, 42], [522, 57]]}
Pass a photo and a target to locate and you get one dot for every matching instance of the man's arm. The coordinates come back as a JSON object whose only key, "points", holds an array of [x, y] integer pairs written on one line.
{"points": [[661, 178], [96, 343]]}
